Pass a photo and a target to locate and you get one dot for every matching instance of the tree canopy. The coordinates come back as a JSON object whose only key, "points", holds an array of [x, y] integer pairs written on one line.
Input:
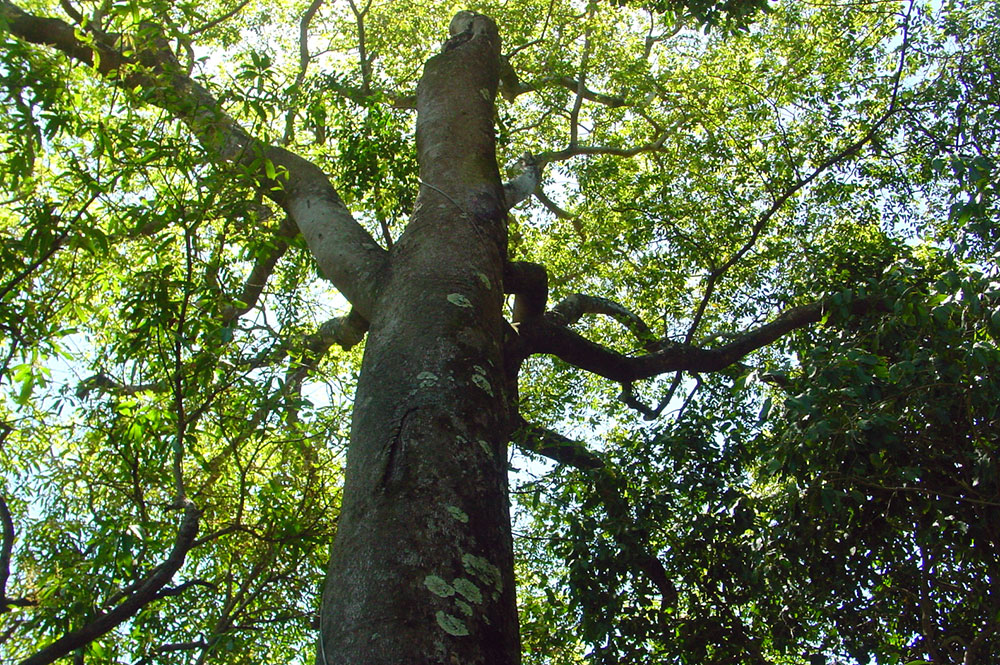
{"points": [[769, 437]]}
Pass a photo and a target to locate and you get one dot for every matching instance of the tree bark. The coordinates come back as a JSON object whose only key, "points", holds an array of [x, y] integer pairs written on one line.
{"points": [[422, 566]]}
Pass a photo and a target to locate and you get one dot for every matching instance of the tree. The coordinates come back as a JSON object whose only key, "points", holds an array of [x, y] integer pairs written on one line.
{"points": [[791, 199]]}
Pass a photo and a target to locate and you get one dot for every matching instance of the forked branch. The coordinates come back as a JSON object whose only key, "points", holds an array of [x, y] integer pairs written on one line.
{"points": [[549, 335]]}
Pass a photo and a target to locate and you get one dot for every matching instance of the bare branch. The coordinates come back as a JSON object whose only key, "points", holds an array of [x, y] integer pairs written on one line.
{"points": [[71, 11], [555, 446], [143, 595], [345, 331], [365, 61], [6, 547], [553, 206], [304, 57], [181, 588], [629, 399], [262, 269], [569, 83], [221, 18], [549, 335], [574, 116], [107, 384], [575, 151], [571, 308]]}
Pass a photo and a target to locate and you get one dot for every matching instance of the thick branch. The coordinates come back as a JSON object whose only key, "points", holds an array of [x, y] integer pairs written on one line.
{"points": [[131, 606], [555, 446], [347, 255], [549, 335]]}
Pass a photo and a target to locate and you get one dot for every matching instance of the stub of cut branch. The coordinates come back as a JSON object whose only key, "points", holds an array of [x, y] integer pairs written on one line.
{"points": [[524, 185], [529, 282]]}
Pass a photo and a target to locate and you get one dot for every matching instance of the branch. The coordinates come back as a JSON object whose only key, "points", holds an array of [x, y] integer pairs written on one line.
{"points": [[555, 446], [574, 115], [553, 206], [852, 149], [347, 254], [524, 185], [570, 84], [6, 547], [571, 308], [574, 151], [262, 269], [225, 16], [108, 385], [307, 17], [365, 61], [346, 331], [550, 335], [633, 540], [143, 595], [181, 588]]}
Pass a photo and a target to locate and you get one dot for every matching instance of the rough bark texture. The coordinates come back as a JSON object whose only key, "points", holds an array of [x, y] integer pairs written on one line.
{"points": [[422, 566]]}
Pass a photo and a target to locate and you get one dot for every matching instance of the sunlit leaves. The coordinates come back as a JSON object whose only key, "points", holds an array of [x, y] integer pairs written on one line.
{"points": [[864, 447]]}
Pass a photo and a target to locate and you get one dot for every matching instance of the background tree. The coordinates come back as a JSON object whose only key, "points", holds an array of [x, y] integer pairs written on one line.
{"points": [[785, 413]]}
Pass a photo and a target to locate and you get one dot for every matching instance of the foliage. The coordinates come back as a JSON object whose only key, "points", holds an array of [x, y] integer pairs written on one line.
{"points": [[833, 498]]}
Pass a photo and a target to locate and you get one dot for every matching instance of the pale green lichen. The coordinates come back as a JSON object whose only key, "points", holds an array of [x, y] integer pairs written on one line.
{"points": [[438, 586], [427, 379], [451, 625], [485, 280], [479, 370], [464, 607], [485, 446], [459, 299], [481, 568], [468, 589], [483, 384], [457, 513]]}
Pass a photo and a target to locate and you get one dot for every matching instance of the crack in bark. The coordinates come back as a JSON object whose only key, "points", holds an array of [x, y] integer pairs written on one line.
{"points": [[394, 453]]}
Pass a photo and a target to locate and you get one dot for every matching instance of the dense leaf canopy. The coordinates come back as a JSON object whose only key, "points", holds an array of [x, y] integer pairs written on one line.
{"points": [[834, 497]]}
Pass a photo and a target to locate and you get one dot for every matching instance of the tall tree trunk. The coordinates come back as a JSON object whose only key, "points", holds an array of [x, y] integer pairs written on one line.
{"points": [[422, 567]]}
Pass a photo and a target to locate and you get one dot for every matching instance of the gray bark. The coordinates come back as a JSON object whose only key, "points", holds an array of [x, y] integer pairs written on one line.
{"points": [[422, 566]]}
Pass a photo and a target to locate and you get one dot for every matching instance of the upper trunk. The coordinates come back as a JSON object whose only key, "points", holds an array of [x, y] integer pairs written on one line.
{"points": [[422, 566]]}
